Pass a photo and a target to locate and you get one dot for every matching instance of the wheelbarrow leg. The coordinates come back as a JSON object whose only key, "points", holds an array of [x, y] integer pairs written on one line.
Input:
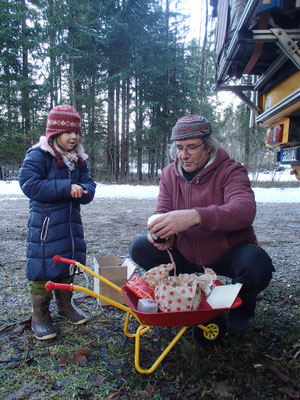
{"points": [[139, 332], [131, 335]]}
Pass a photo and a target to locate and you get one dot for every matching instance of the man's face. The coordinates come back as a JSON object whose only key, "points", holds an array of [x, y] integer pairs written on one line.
{"points": [[192, 154]]}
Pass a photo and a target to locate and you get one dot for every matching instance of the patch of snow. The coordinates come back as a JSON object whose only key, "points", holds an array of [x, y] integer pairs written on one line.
{"points": [[262, 195]]}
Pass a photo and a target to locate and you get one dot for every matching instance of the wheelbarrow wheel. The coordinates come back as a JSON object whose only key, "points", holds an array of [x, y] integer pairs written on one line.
{"points": [[217, 330]]}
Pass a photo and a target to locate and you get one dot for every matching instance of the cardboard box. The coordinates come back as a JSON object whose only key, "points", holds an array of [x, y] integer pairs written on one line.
{"points": [[109, 268]]}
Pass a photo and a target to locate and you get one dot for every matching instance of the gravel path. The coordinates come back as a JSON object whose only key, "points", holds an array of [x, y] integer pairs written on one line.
{"points": [[110, 225]]}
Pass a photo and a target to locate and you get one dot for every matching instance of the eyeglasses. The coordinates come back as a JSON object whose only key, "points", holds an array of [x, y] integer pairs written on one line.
{"points": [[190, 149]]}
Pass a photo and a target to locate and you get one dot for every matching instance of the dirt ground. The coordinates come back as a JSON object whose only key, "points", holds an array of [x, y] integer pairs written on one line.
{"points": [[110, 225]]}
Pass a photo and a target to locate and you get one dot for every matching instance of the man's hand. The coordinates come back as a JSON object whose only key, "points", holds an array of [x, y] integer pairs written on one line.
{"points": [[77, 191], [162, 246], [173, 222]]}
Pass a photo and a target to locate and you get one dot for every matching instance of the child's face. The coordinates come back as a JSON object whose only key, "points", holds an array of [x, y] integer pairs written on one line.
{"points": [[68, 140]]}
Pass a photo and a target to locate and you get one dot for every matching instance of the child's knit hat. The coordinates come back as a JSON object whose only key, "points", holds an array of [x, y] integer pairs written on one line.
{"points": [[191, 127], [61, 119]]}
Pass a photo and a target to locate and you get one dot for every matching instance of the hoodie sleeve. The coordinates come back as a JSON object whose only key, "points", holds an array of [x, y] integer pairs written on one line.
{"points": [[237, 208], [166, 197]]}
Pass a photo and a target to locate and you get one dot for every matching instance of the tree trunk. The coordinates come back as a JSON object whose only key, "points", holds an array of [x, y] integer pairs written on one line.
{"points": [[138, 129], [202, 65], [25, 88], [123, 130], [53, 89], [110, 151], [117, 138], [127, 126], [91, 128]]}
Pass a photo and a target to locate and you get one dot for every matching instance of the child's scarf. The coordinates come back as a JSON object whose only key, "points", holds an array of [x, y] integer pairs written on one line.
{"points": [[64, 158]]}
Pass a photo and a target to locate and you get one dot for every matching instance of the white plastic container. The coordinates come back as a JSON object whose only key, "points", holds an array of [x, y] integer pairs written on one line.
{"points": [[147, 306], [153, 235]]}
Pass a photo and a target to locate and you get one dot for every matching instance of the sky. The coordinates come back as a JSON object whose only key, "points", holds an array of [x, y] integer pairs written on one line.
{"points": [[11, 190], [195, 12]]}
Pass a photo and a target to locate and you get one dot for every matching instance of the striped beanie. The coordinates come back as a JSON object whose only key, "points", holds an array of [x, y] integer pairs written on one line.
{"points": [[61, 119], [191, 127]]}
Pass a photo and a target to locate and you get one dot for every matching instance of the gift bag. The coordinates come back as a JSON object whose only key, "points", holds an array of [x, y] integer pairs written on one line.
{"points": [[158, 274], [174, 295], [178, 293]]}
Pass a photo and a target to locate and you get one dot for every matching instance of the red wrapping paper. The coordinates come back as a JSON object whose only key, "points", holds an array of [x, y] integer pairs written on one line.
{"points": [[140, 288]]}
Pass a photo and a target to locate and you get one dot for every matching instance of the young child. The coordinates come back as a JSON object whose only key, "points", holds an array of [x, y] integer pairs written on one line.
{"points": [[56, 179]]}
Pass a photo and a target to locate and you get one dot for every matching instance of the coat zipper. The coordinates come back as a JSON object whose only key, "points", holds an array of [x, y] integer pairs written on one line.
{"points": [[44, 230], [70, 224]]}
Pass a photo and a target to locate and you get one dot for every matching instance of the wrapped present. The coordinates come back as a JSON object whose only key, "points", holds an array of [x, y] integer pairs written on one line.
{"points": [[140, 287], [179, 293]]}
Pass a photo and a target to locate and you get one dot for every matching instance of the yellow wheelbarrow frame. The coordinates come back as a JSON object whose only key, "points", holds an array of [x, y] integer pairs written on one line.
{"points": [[209, 331]]}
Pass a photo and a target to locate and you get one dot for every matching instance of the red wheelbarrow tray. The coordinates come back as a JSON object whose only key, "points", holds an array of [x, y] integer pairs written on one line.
{"points": [[183, 319], [177, 318]]}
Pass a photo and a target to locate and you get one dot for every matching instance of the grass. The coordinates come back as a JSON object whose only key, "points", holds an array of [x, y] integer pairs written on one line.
{"points": [[96, 360]]}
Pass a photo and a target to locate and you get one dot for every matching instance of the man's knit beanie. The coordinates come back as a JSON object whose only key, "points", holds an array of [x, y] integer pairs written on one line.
{"points": [[61, 119], [191, 127]]}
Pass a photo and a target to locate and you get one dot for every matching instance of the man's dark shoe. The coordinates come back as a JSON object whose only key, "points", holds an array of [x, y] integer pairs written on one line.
{"points": [[237, 324]]}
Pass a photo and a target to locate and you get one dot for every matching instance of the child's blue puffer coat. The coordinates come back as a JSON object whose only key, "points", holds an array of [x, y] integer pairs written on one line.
{"points": [[54, 223]]}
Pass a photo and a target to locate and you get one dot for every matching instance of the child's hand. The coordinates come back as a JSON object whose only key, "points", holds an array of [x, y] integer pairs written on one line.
{"points": [[77, 191]]}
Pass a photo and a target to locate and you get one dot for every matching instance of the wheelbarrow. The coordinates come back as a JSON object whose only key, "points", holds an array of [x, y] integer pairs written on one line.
{"points": [[209, 327]]}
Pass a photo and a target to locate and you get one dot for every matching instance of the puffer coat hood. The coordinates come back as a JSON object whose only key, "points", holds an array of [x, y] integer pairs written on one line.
{"points": [[54, 223]]}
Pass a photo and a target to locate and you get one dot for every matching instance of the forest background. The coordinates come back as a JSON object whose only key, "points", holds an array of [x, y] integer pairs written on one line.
{"points": [[130, 71]]}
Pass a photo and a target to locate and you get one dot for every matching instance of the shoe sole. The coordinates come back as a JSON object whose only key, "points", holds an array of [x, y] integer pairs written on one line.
{"points": [[46, 337], [82, 321]]}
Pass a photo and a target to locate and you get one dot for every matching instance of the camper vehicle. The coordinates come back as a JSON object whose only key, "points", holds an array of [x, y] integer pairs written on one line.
{"points": [[258, 42]]}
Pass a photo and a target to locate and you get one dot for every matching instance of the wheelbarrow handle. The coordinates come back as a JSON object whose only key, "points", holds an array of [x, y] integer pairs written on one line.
{"points": [[58, 258], [61, 286]]}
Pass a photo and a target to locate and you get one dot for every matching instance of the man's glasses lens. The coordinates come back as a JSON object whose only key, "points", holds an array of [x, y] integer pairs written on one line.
{"points": [[191, 149]]}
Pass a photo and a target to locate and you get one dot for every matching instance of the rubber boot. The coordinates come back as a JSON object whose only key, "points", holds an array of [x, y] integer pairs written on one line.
{"points": [[67, 309], [41, 323]]}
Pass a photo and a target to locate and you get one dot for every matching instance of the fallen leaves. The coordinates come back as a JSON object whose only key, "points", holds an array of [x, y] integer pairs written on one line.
{"points": [[149, 391], [276, 373], [113, 395], [223, 390], [273, 369], [22, 325], [78, 358], [98, 379], [293, 394]]}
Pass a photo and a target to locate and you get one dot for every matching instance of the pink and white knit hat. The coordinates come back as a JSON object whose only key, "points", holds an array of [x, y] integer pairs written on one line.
{"points": [[191, 127], [61, 119]]}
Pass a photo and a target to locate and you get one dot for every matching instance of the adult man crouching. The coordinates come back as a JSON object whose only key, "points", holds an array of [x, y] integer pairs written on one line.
{"points": [[207, 208]]}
